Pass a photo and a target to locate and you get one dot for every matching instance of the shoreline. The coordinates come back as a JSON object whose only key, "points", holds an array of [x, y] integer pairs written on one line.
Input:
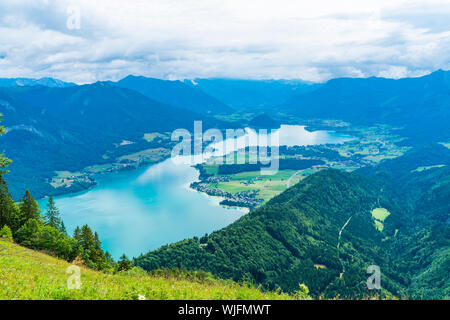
{"points": [[214, 199], [115, 168], [61, 192]]}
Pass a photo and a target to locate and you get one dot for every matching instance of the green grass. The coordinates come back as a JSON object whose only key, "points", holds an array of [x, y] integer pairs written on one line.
{"points": [[268, 187], [420, 169], [380, 214], [32, 275], [67, 174], [154, 155], [149, 137]]}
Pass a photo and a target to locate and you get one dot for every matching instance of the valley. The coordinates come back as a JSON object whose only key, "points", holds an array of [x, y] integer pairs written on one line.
{"points": [[251, 189], [225, 150], [347, 194]]}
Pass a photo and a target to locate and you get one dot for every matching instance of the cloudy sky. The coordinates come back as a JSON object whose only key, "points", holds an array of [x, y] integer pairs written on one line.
{"points": [[315, 40]]}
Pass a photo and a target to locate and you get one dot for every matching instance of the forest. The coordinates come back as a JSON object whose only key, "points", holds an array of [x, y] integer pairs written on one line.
{"points": [[294, 237]]}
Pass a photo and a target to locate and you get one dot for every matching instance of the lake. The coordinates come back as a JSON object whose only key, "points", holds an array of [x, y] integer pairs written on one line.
{"points": [[140, 210]]}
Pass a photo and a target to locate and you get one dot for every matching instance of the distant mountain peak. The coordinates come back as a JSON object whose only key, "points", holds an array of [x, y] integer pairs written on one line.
{"points": [[29, 82], [175, 93]]}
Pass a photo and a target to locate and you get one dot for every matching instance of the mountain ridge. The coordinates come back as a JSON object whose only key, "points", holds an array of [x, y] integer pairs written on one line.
{"points": [[175, 93]]}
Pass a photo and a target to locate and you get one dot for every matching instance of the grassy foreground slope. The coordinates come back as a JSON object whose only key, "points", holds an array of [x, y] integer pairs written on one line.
{"points": [[28, 274]]}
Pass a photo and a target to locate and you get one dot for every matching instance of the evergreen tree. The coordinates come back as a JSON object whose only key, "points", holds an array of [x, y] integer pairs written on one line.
{"points": [[77, 234], [92, 252], [6, 233], [109, 258], [124, 263], [4, 162], [78, 246], [29, 233], [9, 212], [29, 209], [52, 214], [63, 228]]}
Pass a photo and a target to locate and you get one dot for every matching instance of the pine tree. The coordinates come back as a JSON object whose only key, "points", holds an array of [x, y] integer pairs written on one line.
{"points": [[124, 263], [77, 234], [92, 252], [100, 257], [52, 214], [4, 162], [63, 228], [9, 212], [109, 258], [29, 209]]}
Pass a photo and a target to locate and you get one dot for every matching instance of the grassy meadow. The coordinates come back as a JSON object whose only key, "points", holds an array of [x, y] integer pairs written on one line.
{"points": [[28, 274]]}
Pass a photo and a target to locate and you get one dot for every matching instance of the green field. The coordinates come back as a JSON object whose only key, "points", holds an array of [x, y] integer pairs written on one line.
{"points": [[420, 169], [65, 178], [149, 137], [269, 186], [375, 144], [153, 155], [380, 214], [31, 275]]}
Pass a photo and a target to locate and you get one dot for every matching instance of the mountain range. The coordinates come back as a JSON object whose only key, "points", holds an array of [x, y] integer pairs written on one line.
{"points": [[260, 95], [321, 232], [175, 93], [27, 82], [49, 129], [421, 106]]}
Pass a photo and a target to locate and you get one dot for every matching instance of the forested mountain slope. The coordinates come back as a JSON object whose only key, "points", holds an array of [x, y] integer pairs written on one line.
{"points": [[294, 237], [421, 105], [49, 129], [421, 181]]}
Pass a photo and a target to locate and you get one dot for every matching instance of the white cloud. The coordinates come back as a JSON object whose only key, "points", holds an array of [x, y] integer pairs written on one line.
{"points": [[312, 40]]}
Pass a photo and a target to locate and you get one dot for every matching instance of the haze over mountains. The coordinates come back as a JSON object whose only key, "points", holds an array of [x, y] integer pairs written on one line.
{"points": [[53, 126], [27, 82], [254, 94], [63, 126], [49, 129]]}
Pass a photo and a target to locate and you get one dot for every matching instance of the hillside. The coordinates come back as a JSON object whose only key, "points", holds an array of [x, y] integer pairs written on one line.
{"points": [[67, 129], [420, 105], [295, 238], [325, 232], [28, 274], [175, 93]]}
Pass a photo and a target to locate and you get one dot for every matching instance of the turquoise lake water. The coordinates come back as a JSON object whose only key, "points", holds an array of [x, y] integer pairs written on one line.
{"points": [[140, 210]]}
